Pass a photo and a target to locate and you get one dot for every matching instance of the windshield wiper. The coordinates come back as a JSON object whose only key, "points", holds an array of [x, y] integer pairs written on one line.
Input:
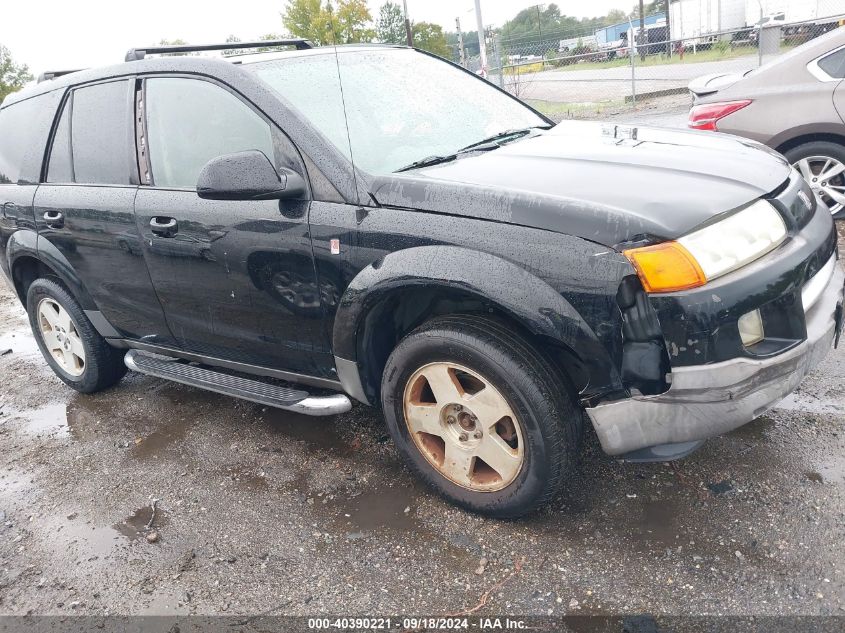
{"points": [[491, 140], [428, 161], [486, 144]]}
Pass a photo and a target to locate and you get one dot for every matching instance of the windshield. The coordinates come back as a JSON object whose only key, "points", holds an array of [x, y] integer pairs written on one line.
{"points": [[401, 106]]}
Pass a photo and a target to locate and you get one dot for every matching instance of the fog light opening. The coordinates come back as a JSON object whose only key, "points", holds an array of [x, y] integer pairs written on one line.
{"points": [[751, 328]]}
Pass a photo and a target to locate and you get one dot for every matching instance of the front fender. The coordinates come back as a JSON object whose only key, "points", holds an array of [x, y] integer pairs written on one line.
{"points": [[520, 294]]}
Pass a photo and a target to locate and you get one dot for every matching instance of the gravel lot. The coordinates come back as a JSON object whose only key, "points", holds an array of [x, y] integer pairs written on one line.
{"points": [[261, 511]]}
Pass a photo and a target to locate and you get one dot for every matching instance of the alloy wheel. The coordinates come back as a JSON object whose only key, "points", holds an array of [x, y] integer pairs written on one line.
{"points": [[464, 427], [61, 337], [826, 176]]}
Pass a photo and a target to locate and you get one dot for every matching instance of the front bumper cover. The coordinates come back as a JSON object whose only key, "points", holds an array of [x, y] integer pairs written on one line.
{"points": [[708, 400]]}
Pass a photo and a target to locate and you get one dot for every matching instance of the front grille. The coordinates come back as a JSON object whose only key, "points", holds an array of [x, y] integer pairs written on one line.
{"points": [[795, 201]]}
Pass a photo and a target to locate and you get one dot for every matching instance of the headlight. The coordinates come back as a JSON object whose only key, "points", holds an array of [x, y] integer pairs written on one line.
{"points": [[711, 252]]}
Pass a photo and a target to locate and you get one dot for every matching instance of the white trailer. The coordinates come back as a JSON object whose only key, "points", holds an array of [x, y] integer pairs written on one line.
{"points": [[789, 11], [698, 22]]}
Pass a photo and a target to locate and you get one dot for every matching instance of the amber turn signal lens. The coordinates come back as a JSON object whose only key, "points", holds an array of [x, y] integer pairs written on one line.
{"points": [[666, 267]]}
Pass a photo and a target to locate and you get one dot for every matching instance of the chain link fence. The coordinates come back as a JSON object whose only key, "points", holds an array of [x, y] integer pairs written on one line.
{"points": [[621, 68]]}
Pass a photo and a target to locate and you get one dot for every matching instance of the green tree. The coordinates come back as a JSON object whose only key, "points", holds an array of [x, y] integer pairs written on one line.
{"points": [[323, 24], [390, 27], [615, 16], [306, 18], [12, 76], [429, 37], [352, 22]]}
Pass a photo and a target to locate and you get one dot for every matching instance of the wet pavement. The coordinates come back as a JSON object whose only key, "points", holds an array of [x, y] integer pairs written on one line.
{"points": [[262, 511]]}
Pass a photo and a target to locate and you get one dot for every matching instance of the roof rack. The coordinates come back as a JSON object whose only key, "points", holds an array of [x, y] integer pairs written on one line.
{"points": [[55, 74], [136, 54]]}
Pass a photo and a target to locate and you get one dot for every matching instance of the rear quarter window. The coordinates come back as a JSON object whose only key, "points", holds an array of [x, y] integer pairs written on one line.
{"points": [[24, 130], [834, 64]]}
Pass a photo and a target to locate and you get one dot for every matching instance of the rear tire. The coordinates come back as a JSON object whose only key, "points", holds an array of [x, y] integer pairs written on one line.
{"points": [[494, 398], [809, 159], [75, 351]]}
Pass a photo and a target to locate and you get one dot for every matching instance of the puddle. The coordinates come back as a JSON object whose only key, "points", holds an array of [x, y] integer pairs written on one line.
{"points": [[152, 445], [87, 542], [815, 477], [757, 429], [50, 420], [134, 527], [21, 342], [830, 472], [78, 419], [377, 508], [315, 433], [656, 523]]}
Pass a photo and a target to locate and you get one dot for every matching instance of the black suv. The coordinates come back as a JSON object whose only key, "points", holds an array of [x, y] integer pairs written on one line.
{"points": [[374, 223]]}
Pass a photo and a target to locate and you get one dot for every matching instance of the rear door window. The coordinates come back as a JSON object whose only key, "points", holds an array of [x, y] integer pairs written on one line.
{"points": [[101, 135], [190, 122]]}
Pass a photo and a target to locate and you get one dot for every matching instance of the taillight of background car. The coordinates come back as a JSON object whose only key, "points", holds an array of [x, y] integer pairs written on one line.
{"points": [[706, 115]]}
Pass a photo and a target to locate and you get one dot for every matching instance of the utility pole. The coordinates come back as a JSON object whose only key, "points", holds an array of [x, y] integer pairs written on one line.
{"points": [[482, 45], [497, 51], [640, 37], [408, 33], [539, 26], [668, 31], [462, 54]]}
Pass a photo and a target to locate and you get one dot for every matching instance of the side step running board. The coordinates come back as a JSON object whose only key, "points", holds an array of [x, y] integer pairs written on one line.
{"points": [[235, 386]]}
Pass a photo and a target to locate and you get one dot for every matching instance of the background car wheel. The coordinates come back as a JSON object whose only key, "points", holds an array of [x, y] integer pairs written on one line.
{"points": [[480, 415], [823, 166], [72, 347]]}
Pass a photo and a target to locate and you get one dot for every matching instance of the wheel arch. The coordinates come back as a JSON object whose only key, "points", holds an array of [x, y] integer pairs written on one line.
{"points": [[795, 138], [393, 296], [31, 258]]}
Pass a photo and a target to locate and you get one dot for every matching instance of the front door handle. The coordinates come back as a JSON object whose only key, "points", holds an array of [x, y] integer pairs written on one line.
{"points": [[54, 219], [164, 227]]}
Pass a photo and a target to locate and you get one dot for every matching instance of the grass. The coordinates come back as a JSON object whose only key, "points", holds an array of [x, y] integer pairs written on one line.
{"points": [[557, 111], [528, 68]]}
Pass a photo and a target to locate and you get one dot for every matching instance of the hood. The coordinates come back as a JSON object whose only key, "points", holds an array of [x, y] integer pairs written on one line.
{"points": [[603, 182]]}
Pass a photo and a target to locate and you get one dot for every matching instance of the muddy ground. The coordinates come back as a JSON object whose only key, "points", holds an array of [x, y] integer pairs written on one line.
{"points": [[261, 511]]}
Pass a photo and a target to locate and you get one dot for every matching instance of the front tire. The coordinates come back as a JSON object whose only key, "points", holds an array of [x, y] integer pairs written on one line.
{"points": [[822, 164], [480, 415], [75, 351]]}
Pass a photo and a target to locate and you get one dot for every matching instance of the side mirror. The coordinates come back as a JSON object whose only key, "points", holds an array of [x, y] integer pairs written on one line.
{"points": [[247, 176]]}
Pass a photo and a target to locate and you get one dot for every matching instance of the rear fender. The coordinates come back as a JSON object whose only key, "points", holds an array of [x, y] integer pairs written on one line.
{"points": [[26, 243]]}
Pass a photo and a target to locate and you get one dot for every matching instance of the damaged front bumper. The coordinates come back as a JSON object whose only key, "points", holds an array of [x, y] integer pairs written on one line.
{"points": [[708, 400]]}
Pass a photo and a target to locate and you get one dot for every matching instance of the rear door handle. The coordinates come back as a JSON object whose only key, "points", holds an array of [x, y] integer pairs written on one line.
{"points": [[10, 210], [54, 219], [164, 227]]}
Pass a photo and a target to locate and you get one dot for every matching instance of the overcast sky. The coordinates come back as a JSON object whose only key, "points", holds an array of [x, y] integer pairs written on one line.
{"points": [[57, 34]]}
